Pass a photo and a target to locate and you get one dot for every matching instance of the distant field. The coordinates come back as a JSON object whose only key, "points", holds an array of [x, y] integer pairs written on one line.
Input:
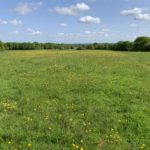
{"points": [[67, 100]]}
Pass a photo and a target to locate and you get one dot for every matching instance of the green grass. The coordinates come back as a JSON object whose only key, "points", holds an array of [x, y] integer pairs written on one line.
{"points": [[67, 100]]}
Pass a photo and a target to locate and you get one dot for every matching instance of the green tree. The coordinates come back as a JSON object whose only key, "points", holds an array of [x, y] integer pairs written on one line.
{"points": [[147, 47], [1, 45], [124, 46], [140, 43]]}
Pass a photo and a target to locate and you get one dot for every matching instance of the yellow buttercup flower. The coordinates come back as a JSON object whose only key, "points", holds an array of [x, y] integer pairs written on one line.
{"points": [[9, 142], [29, 145], [77, 146]]}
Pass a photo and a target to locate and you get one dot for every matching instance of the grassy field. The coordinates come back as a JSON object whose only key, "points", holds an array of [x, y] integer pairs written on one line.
{"points": [[67, 100]]}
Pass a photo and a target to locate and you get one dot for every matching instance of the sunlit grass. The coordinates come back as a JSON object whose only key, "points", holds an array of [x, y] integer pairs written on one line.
{"points": [[67, 100], [40, 53]]}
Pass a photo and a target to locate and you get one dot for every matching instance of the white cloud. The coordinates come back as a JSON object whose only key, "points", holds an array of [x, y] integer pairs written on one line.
{"points": [[72, 10], [3, 22], [137, 13], [87, 35], [34, 32], [143, 17], [134, 25], [90, 20], [63, 25], [26, 8], [15, 32], [105, 30], [11, 22], [87, 32], [132, 12], [16, 22]]}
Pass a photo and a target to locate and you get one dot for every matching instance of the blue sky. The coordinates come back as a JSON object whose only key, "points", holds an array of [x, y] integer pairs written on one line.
{"points": [[74, 21]]}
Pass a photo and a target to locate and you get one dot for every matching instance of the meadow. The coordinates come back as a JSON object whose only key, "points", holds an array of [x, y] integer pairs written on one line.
{"points": [[74, 100]]}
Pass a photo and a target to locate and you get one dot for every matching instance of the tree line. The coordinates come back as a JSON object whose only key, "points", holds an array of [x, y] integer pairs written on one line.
{"points": [[140, 44]]}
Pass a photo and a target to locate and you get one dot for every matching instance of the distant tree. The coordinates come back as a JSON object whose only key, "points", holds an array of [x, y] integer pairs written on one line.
{"points": [[147, 47], [124, 46], [80, 47], [89, 46], [1, 45], [141, 43]]}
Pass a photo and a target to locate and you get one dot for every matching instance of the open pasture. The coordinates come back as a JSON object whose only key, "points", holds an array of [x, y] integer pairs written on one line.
{"points": [[67, 100]]}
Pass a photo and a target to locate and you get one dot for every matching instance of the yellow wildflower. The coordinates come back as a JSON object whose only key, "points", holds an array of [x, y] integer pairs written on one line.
{"points": [[81, 141], [29, 145], [77, 146]]}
